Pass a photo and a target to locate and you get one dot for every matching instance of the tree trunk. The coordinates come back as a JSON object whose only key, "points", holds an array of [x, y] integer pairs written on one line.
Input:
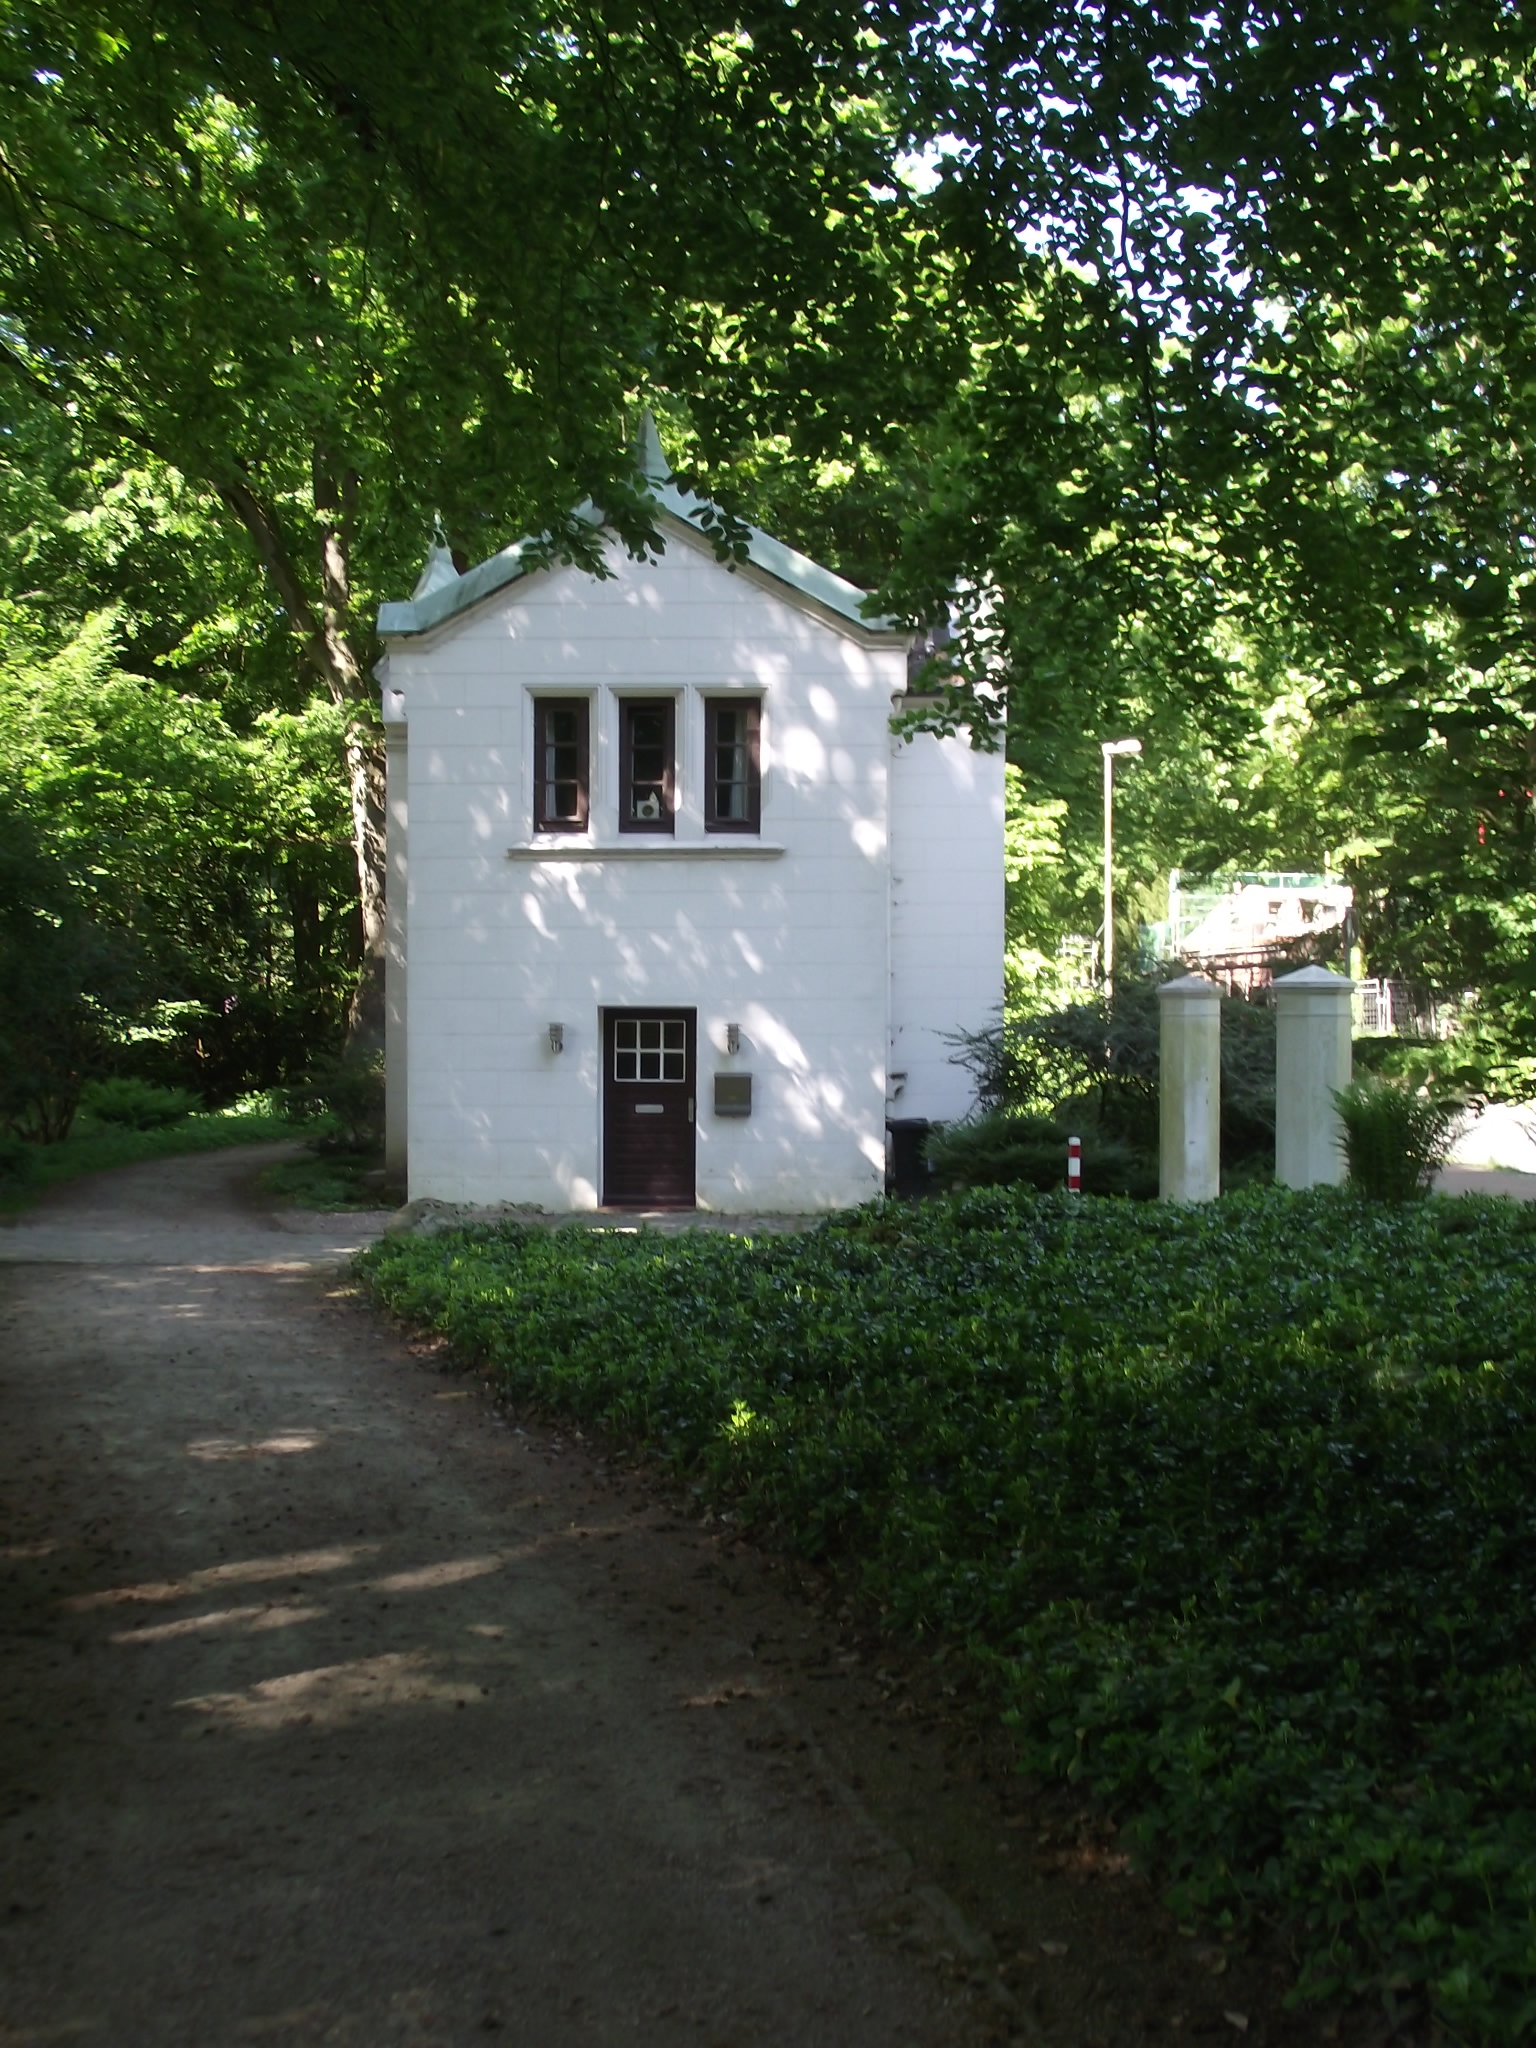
{"points": [[325, 634], [365, 777], [304, 922]]}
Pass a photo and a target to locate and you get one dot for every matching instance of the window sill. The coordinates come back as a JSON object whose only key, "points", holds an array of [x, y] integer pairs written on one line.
{"points": [[727, 847]]}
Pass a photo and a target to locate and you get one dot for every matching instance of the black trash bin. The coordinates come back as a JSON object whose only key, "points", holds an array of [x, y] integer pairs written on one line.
{"points": [[910, 1173]]}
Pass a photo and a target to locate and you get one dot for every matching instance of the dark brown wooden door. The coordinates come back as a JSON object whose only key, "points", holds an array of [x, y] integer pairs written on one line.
{"points": [[648, 1108]]}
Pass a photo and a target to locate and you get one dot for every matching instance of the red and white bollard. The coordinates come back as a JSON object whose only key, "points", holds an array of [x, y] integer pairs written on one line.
{"points": [[1074, 1166]]}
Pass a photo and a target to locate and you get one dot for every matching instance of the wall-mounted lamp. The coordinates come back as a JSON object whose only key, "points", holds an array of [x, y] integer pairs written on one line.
{"points": [[557, 1038], [733, 1038]]}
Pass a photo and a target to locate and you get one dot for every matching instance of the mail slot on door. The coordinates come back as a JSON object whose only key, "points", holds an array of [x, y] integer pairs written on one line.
{"points": [[733, 1095], [650, 1109]]}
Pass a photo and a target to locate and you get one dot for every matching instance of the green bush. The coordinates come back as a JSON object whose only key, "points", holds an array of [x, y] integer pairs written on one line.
{"points": [[1009, 1148], [137, 1105], [100, 1148], [15, 1161], [331, 1180], [1488, 1055], [1104, 1060], [67, 984], [345, 1098], [1231, 1501], [1395, 1138]]}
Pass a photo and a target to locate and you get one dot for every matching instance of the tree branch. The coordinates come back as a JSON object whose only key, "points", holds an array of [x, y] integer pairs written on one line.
{"points": [[262, 527]]}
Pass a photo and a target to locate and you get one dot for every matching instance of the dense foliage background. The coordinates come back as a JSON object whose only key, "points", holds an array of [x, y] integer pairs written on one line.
{"points": [[1183, 357]]}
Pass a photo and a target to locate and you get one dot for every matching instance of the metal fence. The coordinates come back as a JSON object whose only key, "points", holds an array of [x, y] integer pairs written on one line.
{"points": [[1399, 1009]]}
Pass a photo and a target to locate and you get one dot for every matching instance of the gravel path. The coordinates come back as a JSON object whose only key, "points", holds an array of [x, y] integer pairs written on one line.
{"points": [[335, 1709]]}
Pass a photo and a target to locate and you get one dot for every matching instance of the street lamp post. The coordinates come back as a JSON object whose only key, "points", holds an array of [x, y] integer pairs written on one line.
{"points": [[1110, 750]]}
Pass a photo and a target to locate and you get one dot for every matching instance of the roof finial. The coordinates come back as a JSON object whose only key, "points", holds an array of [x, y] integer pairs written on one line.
{"points": [[438, 570], [650, 459]]}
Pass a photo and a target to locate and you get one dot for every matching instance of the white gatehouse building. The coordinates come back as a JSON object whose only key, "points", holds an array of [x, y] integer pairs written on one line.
{"points": [[675, 919]]}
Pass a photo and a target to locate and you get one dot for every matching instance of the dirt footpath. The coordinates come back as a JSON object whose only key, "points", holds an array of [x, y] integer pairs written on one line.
{"points": [[338, 1706], [326, 1718]]}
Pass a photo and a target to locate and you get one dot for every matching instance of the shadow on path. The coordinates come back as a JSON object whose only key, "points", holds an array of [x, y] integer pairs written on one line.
{"points": [[334, 1712]]}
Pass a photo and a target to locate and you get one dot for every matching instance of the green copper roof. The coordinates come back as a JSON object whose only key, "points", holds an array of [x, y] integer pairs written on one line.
{"points": [[442, 596]]}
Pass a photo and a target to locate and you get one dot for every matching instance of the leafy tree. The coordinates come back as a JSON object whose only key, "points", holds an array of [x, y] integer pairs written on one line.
{"points": [[1240, 459], [1196, 386], [216, 860], [91, 524], [337, 270], [64, 982]]}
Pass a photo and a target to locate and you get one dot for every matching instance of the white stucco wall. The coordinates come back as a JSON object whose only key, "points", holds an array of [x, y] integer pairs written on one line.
{"points": [[792, 945], [396, 899], [946, 916]]}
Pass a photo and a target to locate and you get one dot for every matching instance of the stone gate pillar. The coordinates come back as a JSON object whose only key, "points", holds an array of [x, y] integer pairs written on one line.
{"points": [[1189, 1090], [1313, 1056]]}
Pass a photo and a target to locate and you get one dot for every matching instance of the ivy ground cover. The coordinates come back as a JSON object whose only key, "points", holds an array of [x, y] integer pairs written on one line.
{"points": [[1235, 1505]]}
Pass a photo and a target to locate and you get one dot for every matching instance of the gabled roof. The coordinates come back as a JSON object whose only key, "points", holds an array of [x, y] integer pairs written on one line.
{"points": [[441, 593]]}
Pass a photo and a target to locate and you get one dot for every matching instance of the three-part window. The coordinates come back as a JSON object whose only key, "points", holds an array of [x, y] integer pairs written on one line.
{"points": [[648, 780]]}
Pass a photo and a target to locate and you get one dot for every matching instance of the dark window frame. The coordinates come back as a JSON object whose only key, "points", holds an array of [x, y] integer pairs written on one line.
{"points": [[667, 822], [753, 707], [543, 819]]}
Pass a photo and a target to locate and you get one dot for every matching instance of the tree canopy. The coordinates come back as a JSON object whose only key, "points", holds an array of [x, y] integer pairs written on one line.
{"points": [[340, 273], [1180, 356], [1242, 463]]}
